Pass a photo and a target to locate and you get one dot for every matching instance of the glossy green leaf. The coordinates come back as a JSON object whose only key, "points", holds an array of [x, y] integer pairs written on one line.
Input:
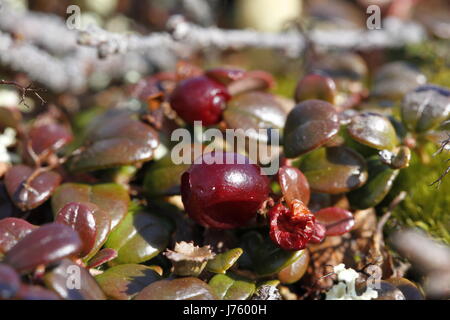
{"points": [[110, 197], [373, 130], [381, 178], [334, 170], [178, 289], [263, 256], [308, 126], [139, 237], [224, 261], [229, 287], [124, 281], [163, 177]]}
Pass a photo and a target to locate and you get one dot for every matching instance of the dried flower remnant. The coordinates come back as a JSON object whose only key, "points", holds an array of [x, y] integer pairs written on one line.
{"points": [[188, 259]]}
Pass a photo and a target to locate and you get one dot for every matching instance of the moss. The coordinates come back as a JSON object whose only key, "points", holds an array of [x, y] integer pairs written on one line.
{"points": [[426, 207]]}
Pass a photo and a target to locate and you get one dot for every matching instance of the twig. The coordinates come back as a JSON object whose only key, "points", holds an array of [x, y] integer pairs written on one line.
{"points": [[442, 147], [24, 90]]}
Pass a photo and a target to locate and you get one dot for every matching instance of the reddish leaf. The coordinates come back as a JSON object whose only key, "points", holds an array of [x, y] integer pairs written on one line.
{"points": [[103, 256], [9, 282], [337, 221], [73, 282], [251, 81], [111, 198], [44, 245], [49, 137], [80, 217], [27, 292], [40, 188], [12, 230], [225, 75], [116, 140], [294, 184]]}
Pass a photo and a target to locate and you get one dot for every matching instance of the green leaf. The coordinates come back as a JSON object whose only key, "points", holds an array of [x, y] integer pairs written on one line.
{"points": [[334, 170], [178, 289], [380, 181], [124, 281], [224, 261], [231, 287], [263, 256], [139, 237]]}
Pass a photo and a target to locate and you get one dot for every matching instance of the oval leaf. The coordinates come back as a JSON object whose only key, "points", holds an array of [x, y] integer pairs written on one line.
{"points": [[263, 256], [373, 130], [115, 141], [73, 282], [39, 189], [9, 282], [49, 137], [123, 282], [44, 245], [178, 289], [296, 270], [294, 184], [381, 179], [231, 288], [80, 217], [334, 170], [336, 220], [12, 230], [139, 237], [27, 292], [308, 126], [425, 108], [224, 261], [109, 197]]}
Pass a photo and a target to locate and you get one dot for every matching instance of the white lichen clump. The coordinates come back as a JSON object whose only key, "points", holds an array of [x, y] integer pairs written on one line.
{"points": [[345, 289], [7, 139]]}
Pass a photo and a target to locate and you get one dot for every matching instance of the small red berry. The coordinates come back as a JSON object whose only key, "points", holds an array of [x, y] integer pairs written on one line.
{"points": [[223, 195], [200, 99], [291, 228]]}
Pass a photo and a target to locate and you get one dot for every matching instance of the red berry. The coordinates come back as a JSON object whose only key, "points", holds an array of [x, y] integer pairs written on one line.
{"points": [[223, 195], [200, 99], [291, 228]]}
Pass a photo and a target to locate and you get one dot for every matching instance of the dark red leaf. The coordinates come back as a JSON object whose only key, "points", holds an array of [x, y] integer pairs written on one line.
{"points": [[337, 221], [35, 293], [44, 245], [9, 282], [103, 256], [80, 217], [49, 137], [73, 282], [12, 230], [294, 184], [39, 189]]}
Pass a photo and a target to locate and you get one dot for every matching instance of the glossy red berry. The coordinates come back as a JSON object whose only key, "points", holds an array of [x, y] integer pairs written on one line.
{"points": [[199, 99], [223, 195], [292, 228]]}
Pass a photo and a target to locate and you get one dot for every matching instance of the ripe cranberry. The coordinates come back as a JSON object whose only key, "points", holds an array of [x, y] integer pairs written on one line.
{"points": [[223, 195], [199, 99], [292, 228]]}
